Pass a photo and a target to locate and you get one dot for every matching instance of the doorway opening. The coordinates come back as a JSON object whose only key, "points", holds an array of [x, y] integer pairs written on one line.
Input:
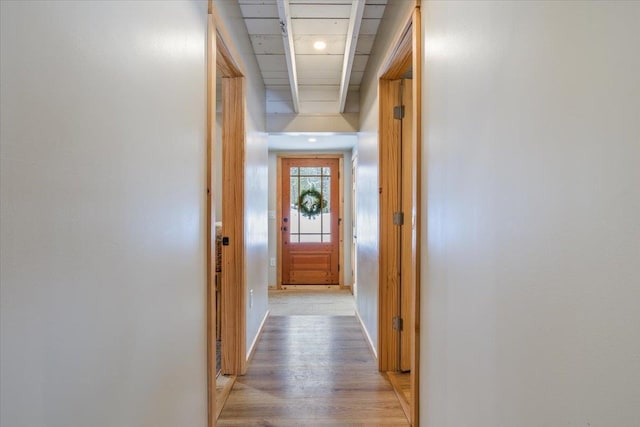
{"points": [[399, 144], [225, 245]]}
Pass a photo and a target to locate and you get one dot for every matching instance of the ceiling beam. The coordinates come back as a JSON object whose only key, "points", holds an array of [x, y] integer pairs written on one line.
{"points": [[289, 52], [355, 19]]}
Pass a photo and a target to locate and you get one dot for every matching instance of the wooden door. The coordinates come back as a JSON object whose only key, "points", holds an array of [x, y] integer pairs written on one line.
{"points": [[309, 221]]}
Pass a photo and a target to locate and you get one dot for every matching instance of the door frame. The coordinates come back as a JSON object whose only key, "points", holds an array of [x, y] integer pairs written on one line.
{"points": [[354, 226], [340, 158], [405, 52], [223, 58]]}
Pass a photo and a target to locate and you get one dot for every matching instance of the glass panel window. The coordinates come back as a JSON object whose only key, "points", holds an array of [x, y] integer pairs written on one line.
{"points": [[310, 171], [309, 182], [310, 211], [294, 221], [326, 223], [310, 225]]}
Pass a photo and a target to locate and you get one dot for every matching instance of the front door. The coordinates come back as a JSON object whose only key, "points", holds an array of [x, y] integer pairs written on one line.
{"points": [[309, 222]]}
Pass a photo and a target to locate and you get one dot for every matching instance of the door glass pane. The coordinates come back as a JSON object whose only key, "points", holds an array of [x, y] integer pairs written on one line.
{"points": [[310, 171], [310, 225], [309, 182], [326, 226], [326, 171], [293, 222], [326, 212], [310, 238], [293, 171]]}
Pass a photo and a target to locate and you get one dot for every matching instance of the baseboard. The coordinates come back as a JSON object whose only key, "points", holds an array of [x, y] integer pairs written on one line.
{"points": [[366, 334], [310, 287], [224, 384], [402, 398], [252, 349]]}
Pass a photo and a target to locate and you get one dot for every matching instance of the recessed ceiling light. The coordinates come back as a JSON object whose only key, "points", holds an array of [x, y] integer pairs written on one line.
{"points": [[319, 45], [312, 140]]}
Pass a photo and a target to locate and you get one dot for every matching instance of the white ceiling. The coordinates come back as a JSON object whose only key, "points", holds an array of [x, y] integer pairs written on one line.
{"points": [[311, 141], [312, 81]]}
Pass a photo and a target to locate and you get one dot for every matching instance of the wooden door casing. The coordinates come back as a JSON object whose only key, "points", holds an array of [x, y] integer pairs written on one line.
{"points": [[407, 232], [309, 263], [405, 53]]}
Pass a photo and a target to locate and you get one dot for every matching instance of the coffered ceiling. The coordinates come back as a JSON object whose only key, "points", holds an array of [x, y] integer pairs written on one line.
{"points": [[299, 77]]}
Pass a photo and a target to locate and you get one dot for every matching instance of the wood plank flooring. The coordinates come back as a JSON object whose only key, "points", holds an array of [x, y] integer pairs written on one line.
{"points": [[337, 302], [314, 371]]}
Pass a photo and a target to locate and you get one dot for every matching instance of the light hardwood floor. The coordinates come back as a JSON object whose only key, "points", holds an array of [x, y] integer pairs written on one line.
{"points": [[302, 302], [313, 371]]}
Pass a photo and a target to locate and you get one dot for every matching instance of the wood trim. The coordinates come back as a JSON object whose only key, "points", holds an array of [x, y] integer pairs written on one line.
{"points": [[354, 225], [224, 384], [417, 132], [233, 208], [389, 137], [406, 51], [278, 225], [233, 310], [227, 57], [408, 249], [341, 250], [397, 388], [311, 287], [210, 236], [399, 57]]}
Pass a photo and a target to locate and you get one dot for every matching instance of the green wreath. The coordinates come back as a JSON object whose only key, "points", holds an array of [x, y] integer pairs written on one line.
{"points": [[311, 203]]}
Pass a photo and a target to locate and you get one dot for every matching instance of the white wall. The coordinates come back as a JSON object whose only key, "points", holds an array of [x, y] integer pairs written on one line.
{"points": [[367, 174], [102, 216], [532, 256], [274, 226], [256, 171]]}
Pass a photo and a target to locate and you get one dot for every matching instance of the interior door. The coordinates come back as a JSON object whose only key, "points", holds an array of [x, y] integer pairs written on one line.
{"points": [[309, 222]]}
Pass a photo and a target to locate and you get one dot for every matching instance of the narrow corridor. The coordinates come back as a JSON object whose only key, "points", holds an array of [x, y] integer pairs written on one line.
{"points": [[313, 370]]}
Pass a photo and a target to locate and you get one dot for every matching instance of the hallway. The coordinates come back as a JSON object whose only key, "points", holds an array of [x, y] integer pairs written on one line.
{"points": [[315, 370]]}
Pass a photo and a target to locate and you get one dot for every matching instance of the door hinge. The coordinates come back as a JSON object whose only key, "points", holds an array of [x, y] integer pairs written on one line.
{"points": [[398, 218], [398, 112], [397, 323]]}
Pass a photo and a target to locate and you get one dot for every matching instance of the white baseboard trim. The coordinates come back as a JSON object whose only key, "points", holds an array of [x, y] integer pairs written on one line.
{"points": [[252, 349], [366, 334]]}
